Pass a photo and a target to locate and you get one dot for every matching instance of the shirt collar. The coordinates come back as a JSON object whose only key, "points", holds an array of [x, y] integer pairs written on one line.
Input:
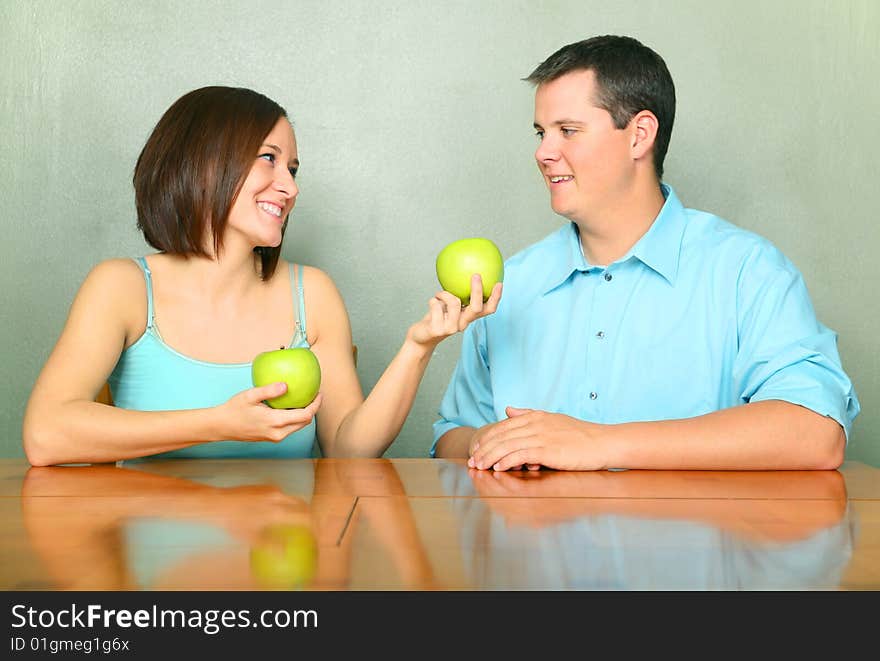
{"points": [[571, 259], [658, 249]]}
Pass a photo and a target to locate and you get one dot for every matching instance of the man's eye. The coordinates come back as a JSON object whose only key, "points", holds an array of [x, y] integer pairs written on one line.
{"points": [[539, 135], [268, 156], [568, 132], [293, 172]]}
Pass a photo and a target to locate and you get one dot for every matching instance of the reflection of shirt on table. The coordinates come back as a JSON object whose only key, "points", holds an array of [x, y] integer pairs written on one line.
{"points": [[618, 552], [698, 316]]}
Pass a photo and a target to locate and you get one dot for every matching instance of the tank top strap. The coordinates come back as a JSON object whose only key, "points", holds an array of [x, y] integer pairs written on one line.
{"points": [[301, 298], [142, 262], [299, 308]]}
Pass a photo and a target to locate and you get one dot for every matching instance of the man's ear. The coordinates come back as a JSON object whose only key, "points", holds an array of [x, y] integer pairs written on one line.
{"points": [[644, 132]]}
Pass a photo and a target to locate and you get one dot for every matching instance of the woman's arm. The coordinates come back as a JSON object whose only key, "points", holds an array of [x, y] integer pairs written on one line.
{"points": [[350, 425], [63, 423]]}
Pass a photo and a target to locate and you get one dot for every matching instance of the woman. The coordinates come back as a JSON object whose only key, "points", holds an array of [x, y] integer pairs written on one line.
{"points": [[175, 332]]}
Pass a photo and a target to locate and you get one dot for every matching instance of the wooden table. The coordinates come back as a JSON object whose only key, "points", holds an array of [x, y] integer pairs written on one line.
{"points": [[430, 524]]}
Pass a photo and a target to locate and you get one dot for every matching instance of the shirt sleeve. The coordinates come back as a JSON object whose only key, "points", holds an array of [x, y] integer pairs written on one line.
{"points": [[468, 401], [785, 353]]}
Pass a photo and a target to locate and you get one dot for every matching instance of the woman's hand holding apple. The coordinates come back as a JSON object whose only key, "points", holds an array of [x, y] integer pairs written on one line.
{"points": [[446, 315], [245, 416]]}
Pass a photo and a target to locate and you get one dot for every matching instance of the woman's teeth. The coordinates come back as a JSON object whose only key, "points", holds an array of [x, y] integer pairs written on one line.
{"points": [[275, 210]]}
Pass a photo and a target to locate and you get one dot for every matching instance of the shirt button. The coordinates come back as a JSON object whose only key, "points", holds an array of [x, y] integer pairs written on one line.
{"points": [[593, 395], [600, 334], [608, 277]]}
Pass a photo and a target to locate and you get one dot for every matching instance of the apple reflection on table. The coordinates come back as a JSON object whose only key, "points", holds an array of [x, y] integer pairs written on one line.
{"points": [[651, 530], [199, 525]]}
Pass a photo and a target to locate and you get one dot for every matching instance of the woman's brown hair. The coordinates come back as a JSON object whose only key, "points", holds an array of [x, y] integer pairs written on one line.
{"points": [[194, 164]]}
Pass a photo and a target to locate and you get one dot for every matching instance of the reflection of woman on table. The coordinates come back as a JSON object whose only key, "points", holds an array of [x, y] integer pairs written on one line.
{"points": [[155, 530], [647, 530]]}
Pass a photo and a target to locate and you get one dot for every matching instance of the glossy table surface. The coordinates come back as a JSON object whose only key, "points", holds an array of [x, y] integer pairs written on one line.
{"points": [[430, 524]]}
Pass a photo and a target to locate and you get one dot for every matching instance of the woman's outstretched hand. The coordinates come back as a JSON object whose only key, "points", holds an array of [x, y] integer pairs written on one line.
{"points": [[447, 316]]}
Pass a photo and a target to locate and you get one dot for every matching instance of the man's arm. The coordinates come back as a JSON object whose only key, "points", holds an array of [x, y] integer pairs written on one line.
{"points": [[455, 443], [765, 435], [467, 404]]}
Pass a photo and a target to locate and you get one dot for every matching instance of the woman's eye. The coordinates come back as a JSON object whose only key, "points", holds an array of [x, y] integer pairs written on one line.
{"points": [[293, 172], [568, 132], [539, 135], [268, 156]]}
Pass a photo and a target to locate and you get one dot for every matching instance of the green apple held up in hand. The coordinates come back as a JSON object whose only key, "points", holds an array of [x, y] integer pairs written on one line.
{"points": [[298, 368], [458, 261]]}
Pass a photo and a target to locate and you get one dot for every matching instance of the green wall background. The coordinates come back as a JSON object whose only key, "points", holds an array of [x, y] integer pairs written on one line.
{"points": [[414, 129]]}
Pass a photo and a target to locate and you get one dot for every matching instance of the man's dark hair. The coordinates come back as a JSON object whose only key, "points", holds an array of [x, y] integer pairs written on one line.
{"points": [[193, 165], [630, 77]]}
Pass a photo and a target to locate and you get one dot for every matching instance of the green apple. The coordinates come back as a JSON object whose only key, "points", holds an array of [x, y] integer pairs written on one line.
{"points": [[298, 368], [285, 556], [458, 261]]}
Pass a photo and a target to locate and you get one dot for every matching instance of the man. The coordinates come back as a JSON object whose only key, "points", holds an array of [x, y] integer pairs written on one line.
{"points": [[642, 334]]}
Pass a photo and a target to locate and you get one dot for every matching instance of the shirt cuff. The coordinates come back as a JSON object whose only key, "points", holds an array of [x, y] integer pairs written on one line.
{"points": [[844, 411]]}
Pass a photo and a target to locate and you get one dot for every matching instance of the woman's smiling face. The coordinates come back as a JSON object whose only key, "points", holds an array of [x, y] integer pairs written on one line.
{"points": [[269, 192]]}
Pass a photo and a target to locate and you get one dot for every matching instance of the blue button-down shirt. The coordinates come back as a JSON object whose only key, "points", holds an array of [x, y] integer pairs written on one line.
{"points": [[698, 316]]}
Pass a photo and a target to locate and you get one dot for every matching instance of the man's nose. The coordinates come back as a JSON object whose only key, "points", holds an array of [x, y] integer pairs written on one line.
{"points": [[547, 150]]}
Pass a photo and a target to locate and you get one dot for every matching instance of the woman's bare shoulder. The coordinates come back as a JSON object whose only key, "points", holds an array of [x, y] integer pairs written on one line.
{"points": [[114, 269], [325, 307], [316, 278], [118, 286]]}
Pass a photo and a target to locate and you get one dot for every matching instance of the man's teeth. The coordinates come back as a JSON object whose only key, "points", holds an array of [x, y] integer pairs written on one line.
{"points": [[271, 208], [556, 180]]}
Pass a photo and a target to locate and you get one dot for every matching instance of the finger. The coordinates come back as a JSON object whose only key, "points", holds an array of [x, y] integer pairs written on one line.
{"points": [[316, 404], [474, 309], [504, 427], [287, 430], [480, 436], [490, 453], [261, 394], [453, 311], [437, 310], [451, 301], [299, 416], [475, 454], [513, 412], [475, 444], [491, 305], [288, 417], [311, 409], [515, 458], [476, 302]]}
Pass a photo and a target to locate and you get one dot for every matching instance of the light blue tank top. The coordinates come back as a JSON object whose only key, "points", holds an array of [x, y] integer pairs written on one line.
{"points": [[151, 376]]}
